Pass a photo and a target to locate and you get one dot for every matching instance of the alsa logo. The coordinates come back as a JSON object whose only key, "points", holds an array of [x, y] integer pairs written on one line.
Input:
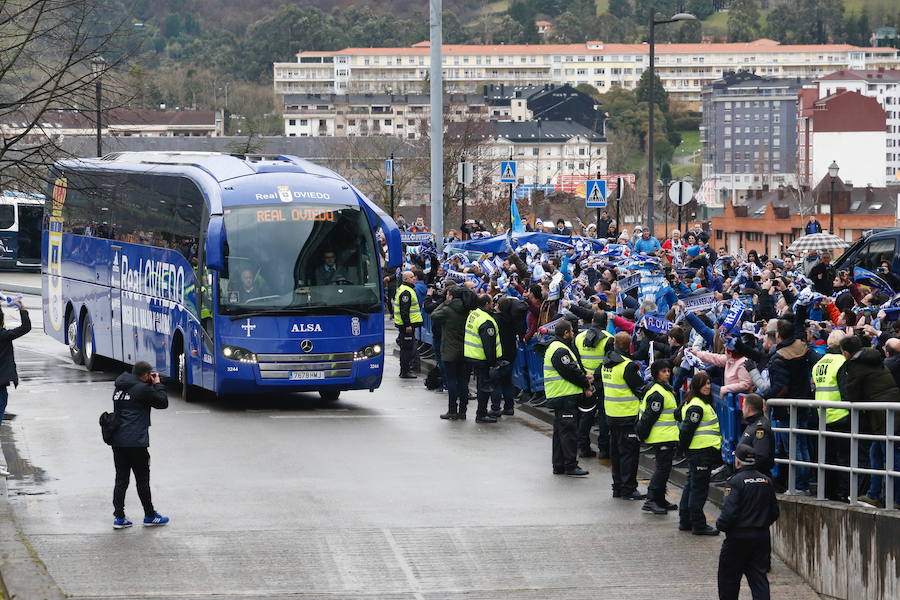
{"points": [[306, 328]]}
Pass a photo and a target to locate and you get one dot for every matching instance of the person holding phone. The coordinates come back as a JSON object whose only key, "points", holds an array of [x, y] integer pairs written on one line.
{"points": [[8, 372], [136, 393]]}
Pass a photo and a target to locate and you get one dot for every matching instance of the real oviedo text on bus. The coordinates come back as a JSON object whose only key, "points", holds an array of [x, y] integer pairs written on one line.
{"points": [[232, 275]]}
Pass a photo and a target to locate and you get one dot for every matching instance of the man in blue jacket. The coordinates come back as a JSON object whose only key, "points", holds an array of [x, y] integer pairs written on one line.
{"points": [[136, 393]]}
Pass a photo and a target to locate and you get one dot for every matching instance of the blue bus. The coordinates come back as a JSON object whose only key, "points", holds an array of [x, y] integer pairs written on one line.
{"points": [[20, 230], [231, 274]]}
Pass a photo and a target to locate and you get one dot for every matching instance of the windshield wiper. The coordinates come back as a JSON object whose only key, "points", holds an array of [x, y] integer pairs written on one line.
{"points": [[305, 310], [267, 313]]}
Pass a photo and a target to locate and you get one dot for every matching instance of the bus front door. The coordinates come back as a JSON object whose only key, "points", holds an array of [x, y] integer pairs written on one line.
{"points": [[115, 291]]}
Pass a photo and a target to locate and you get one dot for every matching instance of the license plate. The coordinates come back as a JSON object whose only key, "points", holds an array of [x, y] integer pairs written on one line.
{"points": [[306, 375]]}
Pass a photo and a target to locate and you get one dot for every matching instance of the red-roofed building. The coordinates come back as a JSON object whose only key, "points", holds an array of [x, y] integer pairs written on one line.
{"points": [[683, 68], [844, 127], [544, 27]]}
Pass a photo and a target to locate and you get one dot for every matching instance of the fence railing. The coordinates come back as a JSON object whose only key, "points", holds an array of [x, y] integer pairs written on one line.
{"points": [[821, 435]]}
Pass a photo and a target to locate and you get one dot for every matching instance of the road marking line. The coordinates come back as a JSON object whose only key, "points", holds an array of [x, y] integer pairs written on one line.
{"points": [[191, 412], [336, 416], [404, 565]]}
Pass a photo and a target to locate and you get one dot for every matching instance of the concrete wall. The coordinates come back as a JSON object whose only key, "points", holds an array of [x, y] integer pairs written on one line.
{"points": [[842, 552]]}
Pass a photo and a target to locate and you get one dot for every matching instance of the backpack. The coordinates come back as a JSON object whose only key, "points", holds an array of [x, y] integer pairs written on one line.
{"points": [[109, 422], [434, 380]]}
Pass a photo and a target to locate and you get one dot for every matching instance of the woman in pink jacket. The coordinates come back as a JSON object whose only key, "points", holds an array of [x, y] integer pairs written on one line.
{"points": [[737, 379]]}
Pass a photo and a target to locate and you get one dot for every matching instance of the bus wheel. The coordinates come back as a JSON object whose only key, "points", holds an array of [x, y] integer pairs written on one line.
{"points": [[188, 392], [72, 337], [329, 396], [89, 350]]}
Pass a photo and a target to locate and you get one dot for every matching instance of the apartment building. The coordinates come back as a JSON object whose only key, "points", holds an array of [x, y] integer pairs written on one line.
{"points": [[884, 86], [843, 127], [360, 115], [683, 68], [749, 132]]}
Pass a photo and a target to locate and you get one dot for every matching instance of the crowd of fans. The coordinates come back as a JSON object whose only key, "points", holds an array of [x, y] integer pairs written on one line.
{"points": [[684, 319]]}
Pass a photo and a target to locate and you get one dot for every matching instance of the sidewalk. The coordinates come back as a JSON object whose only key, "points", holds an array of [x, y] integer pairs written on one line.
{"points": [[20, 282]]}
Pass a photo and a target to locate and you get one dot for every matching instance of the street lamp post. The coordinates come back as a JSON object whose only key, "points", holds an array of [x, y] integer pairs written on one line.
{"points": [[833, 173], [98, 65], [650, 179]]}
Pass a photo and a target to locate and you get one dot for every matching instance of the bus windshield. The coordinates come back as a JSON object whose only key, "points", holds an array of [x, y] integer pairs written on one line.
{"points": [[7, 216], [281, 258]]}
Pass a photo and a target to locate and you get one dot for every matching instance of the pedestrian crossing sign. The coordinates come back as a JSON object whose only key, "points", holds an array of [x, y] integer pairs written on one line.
{"points": [[508, 171], [595, 193]]}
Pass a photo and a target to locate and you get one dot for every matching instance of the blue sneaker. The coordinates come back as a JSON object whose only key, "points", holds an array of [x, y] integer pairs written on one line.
{"points": [[121, 523], [156, 519]]}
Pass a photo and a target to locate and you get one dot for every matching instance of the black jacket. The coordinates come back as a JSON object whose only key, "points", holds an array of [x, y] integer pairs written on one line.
{"points": [[572, 372], [868, 380], [632, 378], [750, 503], [134, 410], [8, 372], [790, 373], [758, 435], [822, 277]]}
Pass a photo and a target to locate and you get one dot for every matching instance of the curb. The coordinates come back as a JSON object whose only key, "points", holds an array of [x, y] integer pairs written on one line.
{"points": [[21, 289], [23, 575]]}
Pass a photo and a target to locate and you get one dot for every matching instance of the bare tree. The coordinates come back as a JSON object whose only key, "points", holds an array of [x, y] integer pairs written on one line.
{"points": [[47, 52]]}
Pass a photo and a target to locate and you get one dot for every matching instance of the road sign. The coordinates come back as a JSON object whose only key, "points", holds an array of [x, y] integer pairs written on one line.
{"points": [[465, 173], [595, 193], [681, 192], [620, 187], [508, 171], [389, 171]]}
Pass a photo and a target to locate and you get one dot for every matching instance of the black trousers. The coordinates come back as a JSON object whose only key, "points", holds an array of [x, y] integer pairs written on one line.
{"points": [[407, 345], [745, 554], [126, 461], [696, 489], [588, 419], [656, 489], [837, 452], [565, 437], [624, 452], [484, 388], [456, 380]]}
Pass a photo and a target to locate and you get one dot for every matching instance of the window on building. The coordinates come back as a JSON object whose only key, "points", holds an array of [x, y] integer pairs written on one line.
{"points": [[306, 122], [292, 122]]}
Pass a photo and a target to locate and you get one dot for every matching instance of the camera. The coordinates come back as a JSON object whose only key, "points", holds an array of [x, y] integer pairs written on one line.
{"points": [[757, 278]]}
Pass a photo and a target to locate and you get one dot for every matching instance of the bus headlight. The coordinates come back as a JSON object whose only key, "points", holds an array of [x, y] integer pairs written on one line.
{"points": [[367, 352], [238, 354]]}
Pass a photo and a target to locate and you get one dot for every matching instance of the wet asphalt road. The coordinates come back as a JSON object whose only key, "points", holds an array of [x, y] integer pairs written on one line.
{"points": [[372, 496]]}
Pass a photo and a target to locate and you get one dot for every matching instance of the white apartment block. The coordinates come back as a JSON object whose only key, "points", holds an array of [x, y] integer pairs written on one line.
{"points": [[884, 86], [683, 68], [362, 115]]}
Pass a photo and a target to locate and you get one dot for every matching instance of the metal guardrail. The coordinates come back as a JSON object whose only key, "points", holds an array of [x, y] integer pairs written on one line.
{"points": [[793, 430]]}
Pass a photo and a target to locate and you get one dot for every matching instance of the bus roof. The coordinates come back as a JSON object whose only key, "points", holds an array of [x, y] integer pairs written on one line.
{"points": [[21, 197], [225, 170]]}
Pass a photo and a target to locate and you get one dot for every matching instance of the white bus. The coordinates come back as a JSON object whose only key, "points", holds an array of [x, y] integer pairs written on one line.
{"points": [[20, 230]]}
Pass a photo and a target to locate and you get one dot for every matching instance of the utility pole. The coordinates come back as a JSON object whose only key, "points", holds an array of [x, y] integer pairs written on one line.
{"points": [[437, 123]]}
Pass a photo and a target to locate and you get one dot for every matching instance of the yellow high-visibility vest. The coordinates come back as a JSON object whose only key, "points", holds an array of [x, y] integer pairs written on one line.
{"points": [[825, 379], [472, 347], [415, 314], [555, 385], [618, 399], [592, 358], [666, 428], [707, 434]]}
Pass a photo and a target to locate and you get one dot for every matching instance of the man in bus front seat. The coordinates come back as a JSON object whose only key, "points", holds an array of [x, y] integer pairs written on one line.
{"points": [[329, 272]]}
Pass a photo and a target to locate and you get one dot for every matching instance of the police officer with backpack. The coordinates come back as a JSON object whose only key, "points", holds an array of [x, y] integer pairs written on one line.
{"points": [[566, 386]]}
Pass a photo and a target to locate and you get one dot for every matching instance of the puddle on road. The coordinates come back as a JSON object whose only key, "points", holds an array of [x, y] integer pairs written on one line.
{"points": [[25, 478]]}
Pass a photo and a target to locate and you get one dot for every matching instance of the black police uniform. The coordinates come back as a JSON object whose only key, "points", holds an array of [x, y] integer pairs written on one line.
{"points": [[758, 436], [750, 507]]}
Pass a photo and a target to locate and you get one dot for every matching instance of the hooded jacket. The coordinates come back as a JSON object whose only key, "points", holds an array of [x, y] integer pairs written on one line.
{"points": [[790, 373], [134, 410], [868, 380], [452, 318]]}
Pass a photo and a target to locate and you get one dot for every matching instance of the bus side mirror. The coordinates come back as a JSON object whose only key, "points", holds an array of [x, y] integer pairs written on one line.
{"points": [[215, 244], [394, 245]]}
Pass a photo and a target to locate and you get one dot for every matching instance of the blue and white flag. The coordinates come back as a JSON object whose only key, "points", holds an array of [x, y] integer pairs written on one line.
{"points": [[866, 276], [733, 318], [655, 324]]}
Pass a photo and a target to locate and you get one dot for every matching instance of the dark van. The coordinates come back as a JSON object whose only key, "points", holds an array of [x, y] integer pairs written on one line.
{"points": [[871, 250]]}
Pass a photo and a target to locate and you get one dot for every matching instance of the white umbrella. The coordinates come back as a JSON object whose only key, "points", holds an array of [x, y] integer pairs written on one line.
{"points": [[817, 241]]}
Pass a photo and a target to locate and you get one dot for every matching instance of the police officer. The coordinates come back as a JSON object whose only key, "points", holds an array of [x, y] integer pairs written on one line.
{"points": [[701, 439], [658, 428], [828, 376], [482, 349], [750, 508], [622, 386], [758, 433], [592, 345], [407, 317], [565, 385]]}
